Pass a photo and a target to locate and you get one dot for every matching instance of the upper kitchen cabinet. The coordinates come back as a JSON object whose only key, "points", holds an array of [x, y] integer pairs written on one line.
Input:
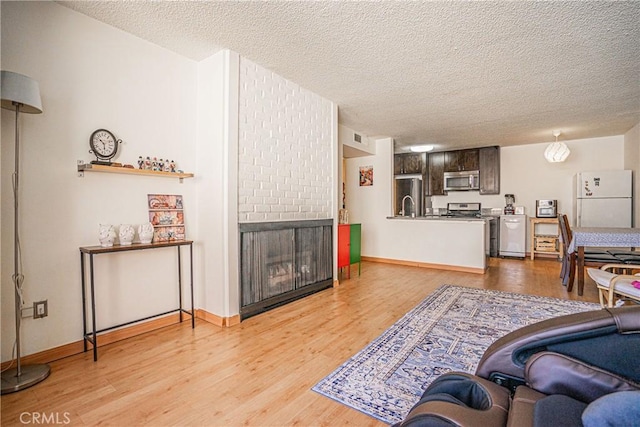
{"points": [[436, 174], [489, 166], [461, 160], [409, 163]]}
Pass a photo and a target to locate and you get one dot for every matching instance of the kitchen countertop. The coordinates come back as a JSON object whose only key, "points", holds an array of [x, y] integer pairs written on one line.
{"points": [[460, 244], [436, 218]]}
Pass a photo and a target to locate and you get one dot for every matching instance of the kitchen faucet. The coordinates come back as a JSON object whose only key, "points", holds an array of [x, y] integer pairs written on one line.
{"points": [[412, 202]]}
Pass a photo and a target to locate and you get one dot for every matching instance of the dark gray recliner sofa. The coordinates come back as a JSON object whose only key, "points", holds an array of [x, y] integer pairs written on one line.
{"points": [[545, 374]]}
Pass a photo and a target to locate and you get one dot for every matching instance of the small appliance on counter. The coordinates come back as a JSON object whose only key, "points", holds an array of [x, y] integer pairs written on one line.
{"points": [[432, 212], [510, 199], [546, 208]]}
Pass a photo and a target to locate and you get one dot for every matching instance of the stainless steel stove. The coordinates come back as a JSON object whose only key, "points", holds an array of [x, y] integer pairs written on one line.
{"points": [[463, 210]]}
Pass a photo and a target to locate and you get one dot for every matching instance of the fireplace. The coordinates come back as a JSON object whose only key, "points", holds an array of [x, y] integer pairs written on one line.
{"points": [[283, 261]]}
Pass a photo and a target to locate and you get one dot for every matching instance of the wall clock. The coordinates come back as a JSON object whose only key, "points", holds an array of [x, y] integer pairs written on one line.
{"points": [[104, 146]]}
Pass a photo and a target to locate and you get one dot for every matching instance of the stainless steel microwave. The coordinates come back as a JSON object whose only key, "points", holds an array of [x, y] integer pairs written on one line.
{"points": [[460, 181]]}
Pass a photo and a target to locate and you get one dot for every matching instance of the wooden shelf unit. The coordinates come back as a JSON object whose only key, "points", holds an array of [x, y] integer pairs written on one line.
{"points": [[533, 236], [88, 167]]}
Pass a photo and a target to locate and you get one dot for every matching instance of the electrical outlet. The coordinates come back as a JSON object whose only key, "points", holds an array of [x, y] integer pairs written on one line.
{"points": [[40, 309]]}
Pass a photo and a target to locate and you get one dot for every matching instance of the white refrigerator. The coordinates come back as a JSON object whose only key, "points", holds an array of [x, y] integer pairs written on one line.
{"points": [[603, 199]]}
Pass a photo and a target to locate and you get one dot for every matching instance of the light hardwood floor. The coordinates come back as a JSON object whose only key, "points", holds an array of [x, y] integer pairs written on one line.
{"points": [[258, 373]]}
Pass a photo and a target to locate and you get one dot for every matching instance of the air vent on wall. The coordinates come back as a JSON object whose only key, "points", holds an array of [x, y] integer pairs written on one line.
{"points": [[357, 138]]}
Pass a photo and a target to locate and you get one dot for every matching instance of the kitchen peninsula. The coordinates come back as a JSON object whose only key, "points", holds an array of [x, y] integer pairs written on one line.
{"points": [[460, 244]]}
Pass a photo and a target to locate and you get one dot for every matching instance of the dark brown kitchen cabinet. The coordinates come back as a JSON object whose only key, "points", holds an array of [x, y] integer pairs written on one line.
{"points": [[451, 161], [489, 162], [461, 160], [436, 174], [398, 164], [470, 160], [408, 163]]}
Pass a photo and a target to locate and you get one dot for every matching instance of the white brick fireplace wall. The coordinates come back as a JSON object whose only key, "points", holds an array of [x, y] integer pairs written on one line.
{"points": [[284, 149]]}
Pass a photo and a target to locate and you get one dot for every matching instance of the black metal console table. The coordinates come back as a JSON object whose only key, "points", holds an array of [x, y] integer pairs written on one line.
{"points": [[91, 336]]}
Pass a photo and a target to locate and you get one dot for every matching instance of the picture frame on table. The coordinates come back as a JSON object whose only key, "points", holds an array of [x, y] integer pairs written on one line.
{"points": [[166, 214]]}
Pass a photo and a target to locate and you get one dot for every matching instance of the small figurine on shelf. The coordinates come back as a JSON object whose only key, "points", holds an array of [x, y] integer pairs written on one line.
{"points": [[145, 231], [154, 164], [106, 235], [172, 166], [161, 165], [140, 162], [167, 166], [147, 163], [126, 233]]}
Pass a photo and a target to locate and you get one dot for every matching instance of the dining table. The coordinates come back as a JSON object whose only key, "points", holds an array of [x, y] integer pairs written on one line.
{"points": [[601, 237]]}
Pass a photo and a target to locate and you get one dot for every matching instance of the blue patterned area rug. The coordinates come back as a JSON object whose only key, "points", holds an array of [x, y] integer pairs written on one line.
{"points": [[448, 331]]}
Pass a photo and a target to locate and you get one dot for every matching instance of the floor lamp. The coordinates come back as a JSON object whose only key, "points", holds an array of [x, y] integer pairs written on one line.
{"points": [[20, 94]]}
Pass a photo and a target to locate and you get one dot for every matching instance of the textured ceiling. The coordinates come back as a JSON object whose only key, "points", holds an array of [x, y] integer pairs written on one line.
{"points": [[455, 74]]}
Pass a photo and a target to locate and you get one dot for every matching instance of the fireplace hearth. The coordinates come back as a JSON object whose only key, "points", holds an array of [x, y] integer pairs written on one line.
{"points": [[283, 261]]}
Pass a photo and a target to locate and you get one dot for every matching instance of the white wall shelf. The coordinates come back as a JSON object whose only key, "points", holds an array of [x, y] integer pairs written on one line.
{"points": [[88, 167]]}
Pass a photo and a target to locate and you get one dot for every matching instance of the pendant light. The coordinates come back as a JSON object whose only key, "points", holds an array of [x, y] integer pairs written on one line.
{"points": [[556, 151]]}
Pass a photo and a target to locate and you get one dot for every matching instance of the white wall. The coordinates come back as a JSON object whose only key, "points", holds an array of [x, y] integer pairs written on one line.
{"points": [[523, 172], [370, 205], [632, 162], [353, 148], [217, 266], [91, 75]]}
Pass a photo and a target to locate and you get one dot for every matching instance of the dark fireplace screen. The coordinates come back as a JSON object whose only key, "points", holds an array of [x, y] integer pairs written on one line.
{"points": [[283, 261]]}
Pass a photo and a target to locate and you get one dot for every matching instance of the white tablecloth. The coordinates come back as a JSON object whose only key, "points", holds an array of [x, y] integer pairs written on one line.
{"points": [[605, 237]]}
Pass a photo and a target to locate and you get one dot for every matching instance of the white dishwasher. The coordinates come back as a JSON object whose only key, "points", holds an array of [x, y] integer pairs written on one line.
{"points": [[513, 235]]}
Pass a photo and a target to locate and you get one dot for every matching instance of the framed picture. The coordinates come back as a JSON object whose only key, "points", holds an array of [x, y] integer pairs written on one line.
{"points": [[366, 175], [164, 201], [166, 214]]}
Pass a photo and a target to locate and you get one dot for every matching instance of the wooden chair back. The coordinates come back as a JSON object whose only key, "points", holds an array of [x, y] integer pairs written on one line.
{"points": [[567, 273], [593, 258]]}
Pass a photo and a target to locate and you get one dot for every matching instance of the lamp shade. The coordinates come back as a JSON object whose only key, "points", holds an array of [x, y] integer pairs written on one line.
{"points": [[557, 152], [20, 89]]}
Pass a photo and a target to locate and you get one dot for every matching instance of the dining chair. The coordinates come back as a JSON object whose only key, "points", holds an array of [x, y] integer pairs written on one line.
{"points": [[612, 286], [592, 257]]}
